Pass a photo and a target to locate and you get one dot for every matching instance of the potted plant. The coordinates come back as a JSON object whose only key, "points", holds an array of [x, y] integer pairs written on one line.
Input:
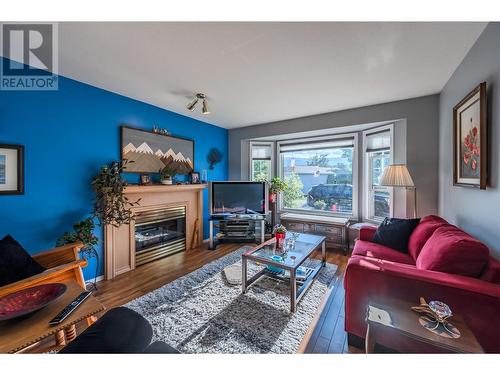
{"points": [[277, 186], [279, 234], [111, 206], [167, 174], [83, 231]]}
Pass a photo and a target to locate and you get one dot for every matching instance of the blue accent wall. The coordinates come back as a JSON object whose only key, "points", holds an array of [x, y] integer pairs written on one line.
{"points": [[68, 134]]}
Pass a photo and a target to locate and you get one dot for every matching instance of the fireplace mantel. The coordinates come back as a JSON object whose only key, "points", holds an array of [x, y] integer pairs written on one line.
{"points": [[120, 241], [141, 189]]}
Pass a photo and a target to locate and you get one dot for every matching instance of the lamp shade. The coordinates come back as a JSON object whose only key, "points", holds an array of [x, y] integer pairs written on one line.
{"points": [[396, 175]]}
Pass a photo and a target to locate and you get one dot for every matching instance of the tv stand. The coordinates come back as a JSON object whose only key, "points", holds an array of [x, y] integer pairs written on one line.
{"points": [[236, 228]]}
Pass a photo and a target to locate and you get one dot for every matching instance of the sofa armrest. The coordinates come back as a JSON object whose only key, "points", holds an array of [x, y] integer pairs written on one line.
{"points": [[59, 255], [366, 232], [68, 271], [410, 272], [372, 280]]}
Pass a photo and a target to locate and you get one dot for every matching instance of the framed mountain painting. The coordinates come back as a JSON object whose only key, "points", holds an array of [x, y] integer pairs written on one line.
{"points": [[470, 140], [149, 152]]}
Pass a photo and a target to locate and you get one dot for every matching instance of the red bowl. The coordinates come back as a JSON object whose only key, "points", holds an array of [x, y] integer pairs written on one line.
{"points": [[29, 300]]}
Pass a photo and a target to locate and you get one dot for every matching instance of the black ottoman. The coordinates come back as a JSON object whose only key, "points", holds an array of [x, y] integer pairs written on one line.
{"points": [[120, 330]]}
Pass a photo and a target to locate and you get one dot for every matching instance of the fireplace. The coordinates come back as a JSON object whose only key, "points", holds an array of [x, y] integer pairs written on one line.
{"points": [[164, 211], [159, 233]]}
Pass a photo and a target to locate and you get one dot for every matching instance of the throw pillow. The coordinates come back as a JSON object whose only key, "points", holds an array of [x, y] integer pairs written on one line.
{"points": [[395, 233], [15, 262], [451, 250], [422, 233]]}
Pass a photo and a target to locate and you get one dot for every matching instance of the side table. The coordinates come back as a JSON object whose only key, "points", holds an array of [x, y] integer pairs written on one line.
{"points": [[353, 233], [18, 335], [396, 317]]}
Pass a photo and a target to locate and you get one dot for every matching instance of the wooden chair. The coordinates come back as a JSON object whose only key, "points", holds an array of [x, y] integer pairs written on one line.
{"points": [[61, 263]]}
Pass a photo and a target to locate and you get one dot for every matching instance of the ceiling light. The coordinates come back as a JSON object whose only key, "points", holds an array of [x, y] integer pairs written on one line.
{"points": [[191, 105], [199, 96], [205, 110]]}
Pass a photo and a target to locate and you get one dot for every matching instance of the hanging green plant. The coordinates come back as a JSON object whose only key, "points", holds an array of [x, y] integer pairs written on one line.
{"points": [[111, 206]]}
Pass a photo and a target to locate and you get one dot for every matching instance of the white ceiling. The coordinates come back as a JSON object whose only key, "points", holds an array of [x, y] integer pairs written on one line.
{"points": [[255, 73]]}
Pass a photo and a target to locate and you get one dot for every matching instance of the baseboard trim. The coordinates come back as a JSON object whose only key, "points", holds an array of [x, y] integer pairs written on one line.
{"points": [[91, 280]]}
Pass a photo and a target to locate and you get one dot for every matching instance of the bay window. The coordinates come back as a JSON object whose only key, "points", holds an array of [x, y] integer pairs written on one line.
{"points": [[320, 175]]}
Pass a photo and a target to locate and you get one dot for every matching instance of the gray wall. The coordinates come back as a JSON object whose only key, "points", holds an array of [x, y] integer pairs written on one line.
{"points": [[476, 211], [421, 115]]}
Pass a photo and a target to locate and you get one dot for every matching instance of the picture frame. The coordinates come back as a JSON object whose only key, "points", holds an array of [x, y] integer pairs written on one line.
{"points": [[470, 140], [11, 169], [149, 152], [145, 179], [194, 177]]}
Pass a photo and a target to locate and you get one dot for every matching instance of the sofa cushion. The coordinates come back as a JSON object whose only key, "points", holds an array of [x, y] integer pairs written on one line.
{"points": [[373, 250], [395, 233], [451, 250], [15, 262], [492, 272], [422, 233]]}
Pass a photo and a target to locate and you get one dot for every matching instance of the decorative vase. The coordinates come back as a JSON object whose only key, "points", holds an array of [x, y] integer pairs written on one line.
{"points": [[280, 239], [166, 181]]}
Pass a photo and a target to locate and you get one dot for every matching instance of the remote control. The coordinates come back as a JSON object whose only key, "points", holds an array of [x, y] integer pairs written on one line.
{"points": [[63, 314]]}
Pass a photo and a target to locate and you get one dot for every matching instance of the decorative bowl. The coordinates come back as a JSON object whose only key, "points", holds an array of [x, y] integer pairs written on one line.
{"points": [[29, 300]]}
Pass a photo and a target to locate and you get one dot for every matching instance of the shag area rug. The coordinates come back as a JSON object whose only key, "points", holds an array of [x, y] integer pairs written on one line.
{"points": [[202, 313]]}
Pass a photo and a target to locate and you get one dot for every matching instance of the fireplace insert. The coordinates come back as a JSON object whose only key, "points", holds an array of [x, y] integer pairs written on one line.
{"points": [[159, 233]]}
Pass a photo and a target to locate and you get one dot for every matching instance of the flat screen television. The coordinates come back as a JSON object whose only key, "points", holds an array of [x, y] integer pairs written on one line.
{"points": [[238, 198]]}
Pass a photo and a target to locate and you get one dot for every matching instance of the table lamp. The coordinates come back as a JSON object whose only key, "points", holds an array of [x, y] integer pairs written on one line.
{"points": [[397, 175]]}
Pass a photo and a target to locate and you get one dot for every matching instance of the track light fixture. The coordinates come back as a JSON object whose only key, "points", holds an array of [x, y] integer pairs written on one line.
{"points": [[199, 96]]}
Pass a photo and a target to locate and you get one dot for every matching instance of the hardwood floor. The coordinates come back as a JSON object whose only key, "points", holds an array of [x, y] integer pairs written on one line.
{"points": [[328, 336]]}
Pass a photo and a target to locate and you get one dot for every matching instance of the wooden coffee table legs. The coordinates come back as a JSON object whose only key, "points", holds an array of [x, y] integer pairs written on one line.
{"points": [[60, 338], [65, 335], [68, 334], [293, 291]]}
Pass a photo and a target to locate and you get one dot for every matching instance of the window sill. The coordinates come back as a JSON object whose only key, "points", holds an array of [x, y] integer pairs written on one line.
{"points": [[314, 218]]}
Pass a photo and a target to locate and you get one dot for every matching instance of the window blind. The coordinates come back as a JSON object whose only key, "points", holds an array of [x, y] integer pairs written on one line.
{"points": [[317, 145], [261, 152], [378, 141]]}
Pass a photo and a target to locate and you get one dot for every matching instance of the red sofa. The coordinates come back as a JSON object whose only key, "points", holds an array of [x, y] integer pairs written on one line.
{"points": [[444, 263]]}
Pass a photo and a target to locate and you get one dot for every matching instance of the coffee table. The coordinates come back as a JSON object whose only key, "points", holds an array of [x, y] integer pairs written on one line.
{"points": [[305, 245], [19, 334]]}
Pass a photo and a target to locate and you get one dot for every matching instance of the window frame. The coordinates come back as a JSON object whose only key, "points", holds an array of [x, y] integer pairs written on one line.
{"points": [[368, 189], [251, 144], [355, 175]]}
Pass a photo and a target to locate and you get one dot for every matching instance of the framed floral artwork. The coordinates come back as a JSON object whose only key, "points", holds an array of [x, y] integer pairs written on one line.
{"points": [[470, 140]]}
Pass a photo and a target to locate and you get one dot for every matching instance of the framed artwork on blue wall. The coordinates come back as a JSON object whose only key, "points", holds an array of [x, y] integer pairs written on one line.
{"points": [[11, 169], [149, 152]]}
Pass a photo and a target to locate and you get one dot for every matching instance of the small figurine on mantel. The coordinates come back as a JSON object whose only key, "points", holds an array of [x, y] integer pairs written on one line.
{"points": [[158, 130]]}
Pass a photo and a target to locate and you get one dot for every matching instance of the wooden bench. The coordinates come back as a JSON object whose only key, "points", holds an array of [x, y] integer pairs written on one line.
{"points": [[333, 228]]}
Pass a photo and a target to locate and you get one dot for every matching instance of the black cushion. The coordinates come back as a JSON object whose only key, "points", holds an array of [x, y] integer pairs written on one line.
{"points": [[395, 233], [159, 347], [15, 262], [120, 330]]}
